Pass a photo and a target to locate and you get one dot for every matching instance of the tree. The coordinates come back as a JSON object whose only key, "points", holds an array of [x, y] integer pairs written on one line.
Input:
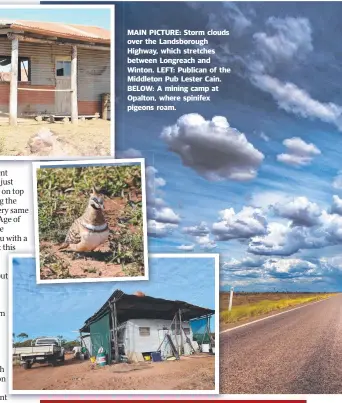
{"points": [[69, 345], [62, 339], [22, 336], [26, 343]]}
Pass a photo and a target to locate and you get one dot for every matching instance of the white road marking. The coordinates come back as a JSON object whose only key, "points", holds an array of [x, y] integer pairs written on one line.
{"points": [[272, 316]]}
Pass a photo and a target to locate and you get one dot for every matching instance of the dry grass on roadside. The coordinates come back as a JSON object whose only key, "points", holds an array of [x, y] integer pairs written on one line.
{"points": [[254, 309]]}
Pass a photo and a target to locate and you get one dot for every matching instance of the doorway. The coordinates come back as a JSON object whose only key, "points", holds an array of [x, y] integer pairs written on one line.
{"points": [[63, 82]]}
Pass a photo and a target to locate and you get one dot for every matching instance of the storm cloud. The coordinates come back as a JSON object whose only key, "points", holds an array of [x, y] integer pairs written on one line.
{"points": [[212, 148]]}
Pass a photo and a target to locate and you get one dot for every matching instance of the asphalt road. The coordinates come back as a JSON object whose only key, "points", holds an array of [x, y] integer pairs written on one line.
{"points": [[299, 352]]}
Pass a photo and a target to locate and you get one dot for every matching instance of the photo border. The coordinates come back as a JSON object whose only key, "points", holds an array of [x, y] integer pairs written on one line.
{"points": [[112, 130], [113, 393], [108, 162]]}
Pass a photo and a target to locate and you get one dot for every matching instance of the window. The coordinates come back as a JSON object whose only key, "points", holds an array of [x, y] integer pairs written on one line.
{"points": [[24, 69], [5, 68], [63, 68], [24, 73], [144, 331], [46, 342]]}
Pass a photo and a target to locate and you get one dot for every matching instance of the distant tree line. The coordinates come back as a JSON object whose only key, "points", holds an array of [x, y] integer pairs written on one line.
{"points": [[23, 340]]}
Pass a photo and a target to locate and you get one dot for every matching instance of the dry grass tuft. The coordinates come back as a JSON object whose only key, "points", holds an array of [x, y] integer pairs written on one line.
{"points": [[244, 312]]}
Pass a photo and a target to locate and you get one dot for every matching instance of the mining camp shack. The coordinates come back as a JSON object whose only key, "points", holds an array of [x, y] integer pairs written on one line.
{"points": [[53, 70], [132, 327]]}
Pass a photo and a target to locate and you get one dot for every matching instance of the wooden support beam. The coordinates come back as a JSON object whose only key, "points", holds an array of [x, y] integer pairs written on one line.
{"points": [[25, 38], [112, 307], [174, 320], [113, 321], [105, 102], [187, 340], [181, 334], [116, 345], [13, 106], [211, 337], [74, 106]]}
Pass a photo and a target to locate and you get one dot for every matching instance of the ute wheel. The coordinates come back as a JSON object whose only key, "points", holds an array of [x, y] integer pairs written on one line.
{"points": [[27, 365]]}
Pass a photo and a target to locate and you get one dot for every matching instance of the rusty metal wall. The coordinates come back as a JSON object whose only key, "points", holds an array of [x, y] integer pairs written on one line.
{"points": [[93, 74], [93, 67], [42, 59]]}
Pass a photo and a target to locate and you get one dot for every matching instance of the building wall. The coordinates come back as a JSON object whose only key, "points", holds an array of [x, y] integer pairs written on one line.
{"points": [[135, 344], [93, 78]]}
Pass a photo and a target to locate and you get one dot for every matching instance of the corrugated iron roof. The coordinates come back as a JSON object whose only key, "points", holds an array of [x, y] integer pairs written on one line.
{"points": [[144, 307], [71, 31]]}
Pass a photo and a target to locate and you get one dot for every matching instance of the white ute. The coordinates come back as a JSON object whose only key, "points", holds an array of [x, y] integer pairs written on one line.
{"points": [[45, 350]]}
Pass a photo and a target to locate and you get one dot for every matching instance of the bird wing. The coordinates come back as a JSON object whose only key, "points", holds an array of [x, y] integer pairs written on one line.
{"points": [[73, 236]]}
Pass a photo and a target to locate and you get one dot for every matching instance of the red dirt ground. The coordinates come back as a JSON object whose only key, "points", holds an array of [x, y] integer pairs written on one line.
{"points": [[189, 373], [88, 266]]}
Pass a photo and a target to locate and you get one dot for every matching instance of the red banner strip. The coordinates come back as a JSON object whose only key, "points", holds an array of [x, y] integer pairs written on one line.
{"points": [[176, 400]]}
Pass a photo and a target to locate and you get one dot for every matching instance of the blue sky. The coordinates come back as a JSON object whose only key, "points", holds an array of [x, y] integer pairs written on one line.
{"points": [[93, 17], [59, 309], [255, 174]]}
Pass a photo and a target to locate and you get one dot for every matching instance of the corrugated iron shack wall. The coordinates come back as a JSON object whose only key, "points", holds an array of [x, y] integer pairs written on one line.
{"points": [[93, 78], [134, 343]]}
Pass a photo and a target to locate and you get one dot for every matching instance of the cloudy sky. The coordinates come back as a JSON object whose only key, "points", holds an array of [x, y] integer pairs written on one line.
{"points": [[256, 174], [45, 310]]}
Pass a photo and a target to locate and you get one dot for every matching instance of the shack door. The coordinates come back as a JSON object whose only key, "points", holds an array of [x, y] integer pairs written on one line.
{"points": [[63, 82]]}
